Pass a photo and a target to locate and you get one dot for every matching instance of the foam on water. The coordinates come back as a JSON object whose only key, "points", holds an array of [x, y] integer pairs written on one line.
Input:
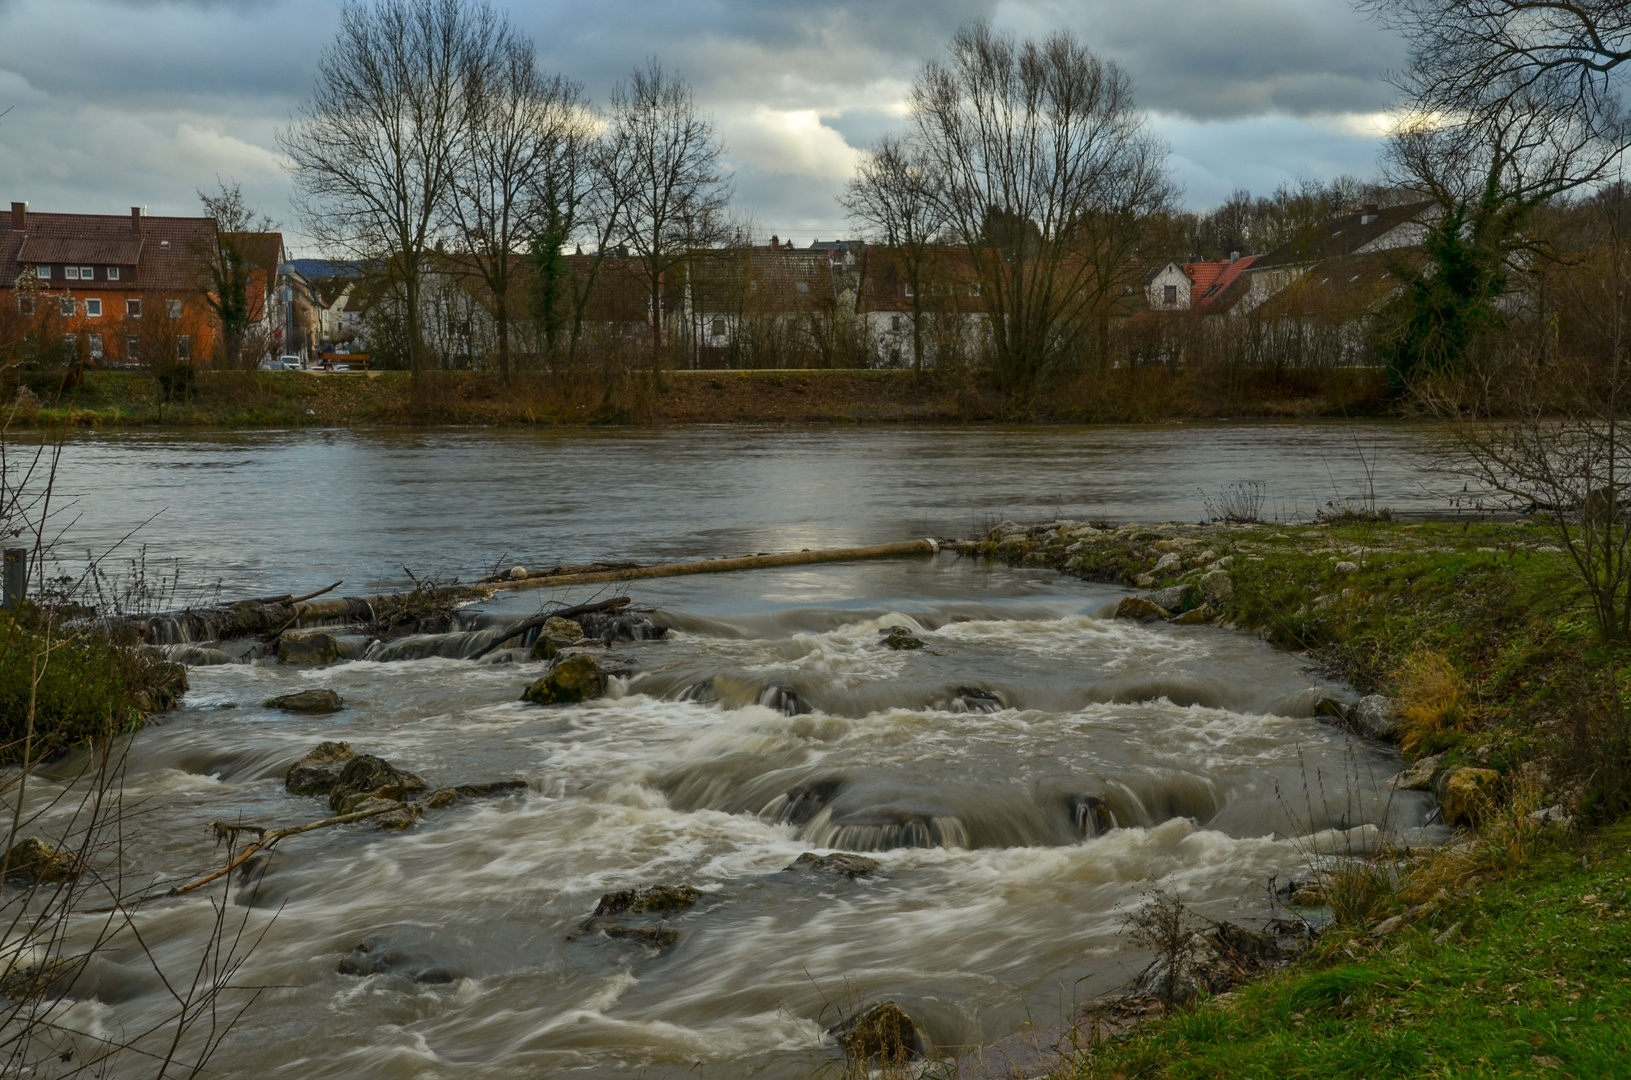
{"points": [[992, 890]]}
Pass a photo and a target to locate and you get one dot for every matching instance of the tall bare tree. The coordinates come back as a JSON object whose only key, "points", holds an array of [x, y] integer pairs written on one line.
{"points": [[520, 128], [230, 266], [376, 146], [1037, 149], [891, 197], [661, 166]]}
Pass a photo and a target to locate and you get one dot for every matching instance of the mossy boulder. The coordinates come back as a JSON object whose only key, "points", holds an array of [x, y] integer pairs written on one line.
{"points": [[649, 900], [34, 860], [1465, 793], [839, 864], [884, 1033], [898, 637], [162, 687], [576, 678], [1141, 610]]}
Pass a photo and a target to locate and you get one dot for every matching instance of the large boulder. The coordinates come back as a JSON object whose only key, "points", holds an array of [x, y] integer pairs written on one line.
{"points": [[308, 701], [308, 649], [163, 684], [1141, 610], [1464, 793], [565, 629], [1218, 586], [1177, 598], [1375, 717], [32, 859], [365, 777], [576, 678], [316, 773], [898, 637], [883, 1033]]}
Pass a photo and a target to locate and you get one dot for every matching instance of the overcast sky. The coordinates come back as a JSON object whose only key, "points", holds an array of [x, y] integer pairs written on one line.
{"points": [[116, 103]]}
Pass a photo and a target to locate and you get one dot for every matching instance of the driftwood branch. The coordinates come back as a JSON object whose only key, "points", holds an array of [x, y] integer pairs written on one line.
{"points": [[267, 839], [539, 620], [288, 599]]}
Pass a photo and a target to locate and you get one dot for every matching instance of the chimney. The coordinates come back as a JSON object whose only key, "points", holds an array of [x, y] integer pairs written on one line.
{"points": [[136, 220], [19, 216], [775, 241], [1234, 257], [1370, 212]]}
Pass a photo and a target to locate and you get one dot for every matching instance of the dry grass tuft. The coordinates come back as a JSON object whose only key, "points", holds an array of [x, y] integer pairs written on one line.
{"points": [[1432, 699]]}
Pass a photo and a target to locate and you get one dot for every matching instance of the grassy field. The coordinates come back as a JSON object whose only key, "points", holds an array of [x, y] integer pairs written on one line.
{"points": [[118, 399], [1512, 953]]}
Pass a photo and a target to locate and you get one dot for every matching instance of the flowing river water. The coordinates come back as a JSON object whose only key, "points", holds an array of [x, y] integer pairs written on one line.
{"points": [[768, 722]]}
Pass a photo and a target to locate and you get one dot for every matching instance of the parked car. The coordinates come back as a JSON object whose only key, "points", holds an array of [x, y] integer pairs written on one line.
{"points": [[291, 363]]}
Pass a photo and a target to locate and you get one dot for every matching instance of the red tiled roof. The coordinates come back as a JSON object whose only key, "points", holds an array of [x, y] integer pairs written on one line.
{"points": [[164, 253], [1213, 279]]}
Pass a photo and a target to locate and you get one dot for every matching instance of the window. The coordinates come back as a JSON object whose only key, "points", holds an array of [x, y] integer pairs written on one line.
{"points": [[719, 328], [1169, 295], [71, 273], [133, 308], [894, 323], [133, 348], [113, 273], [42, 271], [184, 348], [93, 308], [25, 305], [70, 345], [95, 343], [908, 289], [172, 309], [974, 288], [65, 307], [87, 273]]}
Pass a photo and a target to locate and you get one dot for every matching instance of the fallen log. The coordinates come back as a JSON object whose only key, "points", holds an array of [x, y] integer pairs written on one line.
{"points": [[539, 620]]}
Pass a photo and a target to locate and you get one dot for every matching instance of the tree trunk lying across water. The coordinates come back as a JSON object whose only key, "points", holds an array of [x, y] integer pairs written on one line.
{"points": [[267, 618]]}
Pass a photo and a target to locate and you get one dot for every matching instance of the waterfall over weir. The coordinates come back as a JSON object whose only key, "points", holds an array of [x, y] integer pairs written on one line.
{"points": [[1018, 780]]}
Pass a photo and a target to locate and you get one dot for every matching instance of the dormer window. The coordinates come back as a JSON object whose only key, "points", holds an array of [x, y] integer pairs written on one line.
{"points": [[113, 273], [42, 271], [1169, 295]]}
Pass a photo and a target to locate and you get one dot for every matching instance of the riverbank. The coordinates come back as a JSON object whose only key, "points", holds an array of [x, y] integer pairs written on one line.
{"points": [[1498, 956], [227, 399]]}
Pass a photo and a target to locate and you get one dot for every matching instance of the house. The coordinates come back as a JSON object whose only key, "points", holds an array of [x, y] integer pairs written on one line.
{"points": [[110, 288], [1206, 288], [323, 303], [952, 307], [262, 254], [1371, 230]]}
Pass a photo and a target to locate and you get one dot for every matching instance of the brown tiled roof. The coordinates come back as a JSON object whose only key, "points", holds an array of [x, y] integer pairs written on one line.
{"points": [[165, 253], [1342, 236]]}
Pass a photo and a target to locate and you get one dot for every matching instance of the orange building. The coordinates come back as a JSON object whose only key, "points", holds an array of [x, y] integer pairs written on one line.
{"points": [[120, 290]]}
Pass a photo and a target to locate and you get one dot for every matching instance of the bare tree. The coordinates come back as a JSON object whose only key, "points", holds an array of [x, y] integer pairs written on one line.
{"points": [[376, 146], [1037, 147], [230, 266], [518, 126], [1467, 57], [891, 197], [661, 166]]}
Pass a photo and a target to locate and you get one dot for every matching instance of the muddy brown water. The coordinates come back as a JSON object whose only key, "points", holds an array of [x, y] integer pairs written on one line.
{"points": [[991, 905]]}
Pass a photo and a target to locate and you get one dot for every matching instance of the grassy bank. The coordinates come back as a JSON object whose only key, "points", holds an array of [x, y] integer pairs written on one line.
{"points": [[1507, 956], [118, 399], [65, 689]]}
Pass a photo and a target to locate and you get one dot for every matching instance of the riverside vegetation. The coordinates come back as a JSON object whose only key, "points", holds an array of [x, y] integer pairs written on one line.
{"points": [[1499, 955], [244, 399]]}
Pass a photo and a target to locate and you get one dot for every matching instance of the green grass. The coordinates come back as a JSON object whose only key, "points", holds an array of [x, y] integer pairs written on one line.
{"points": [[1536, 983]]}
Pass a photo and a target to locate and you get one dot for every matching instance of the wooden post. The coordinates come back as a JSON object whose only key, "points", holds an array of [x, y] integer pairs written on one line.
{"points": [[16, 585]]}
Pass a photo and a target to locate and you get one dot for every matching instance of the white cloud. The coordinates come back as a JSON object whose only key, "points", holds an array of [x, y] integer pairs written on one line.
{"points": [[790, 143]]}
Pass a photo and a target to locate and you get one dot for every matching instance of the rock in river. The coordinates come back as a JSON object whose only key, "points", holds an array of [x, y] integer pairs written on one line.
{"points": [[898, 637], [1374, 717], [34, 859], [1465, 792], [315, 773], [308, 649], [366, 777], [838, 864], [308, 701], [652, 899], [1142, 610], [882, 1033], [1419, 777], [576, 678]]}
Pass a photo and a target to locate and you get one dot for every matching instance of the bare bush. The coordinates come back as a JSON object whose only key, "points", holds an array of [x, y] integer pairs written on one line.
{"points": [[1239, 504]]}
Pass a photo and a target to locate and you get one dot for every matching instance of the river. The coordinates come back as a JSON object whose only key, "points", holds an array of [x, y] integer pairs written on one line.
{"points": [[991, 906]]}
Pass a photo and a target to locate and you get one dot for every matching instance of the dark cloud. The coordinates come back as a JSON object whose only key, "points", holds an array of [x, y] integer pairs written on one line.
{"points": [[120, 101]]}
